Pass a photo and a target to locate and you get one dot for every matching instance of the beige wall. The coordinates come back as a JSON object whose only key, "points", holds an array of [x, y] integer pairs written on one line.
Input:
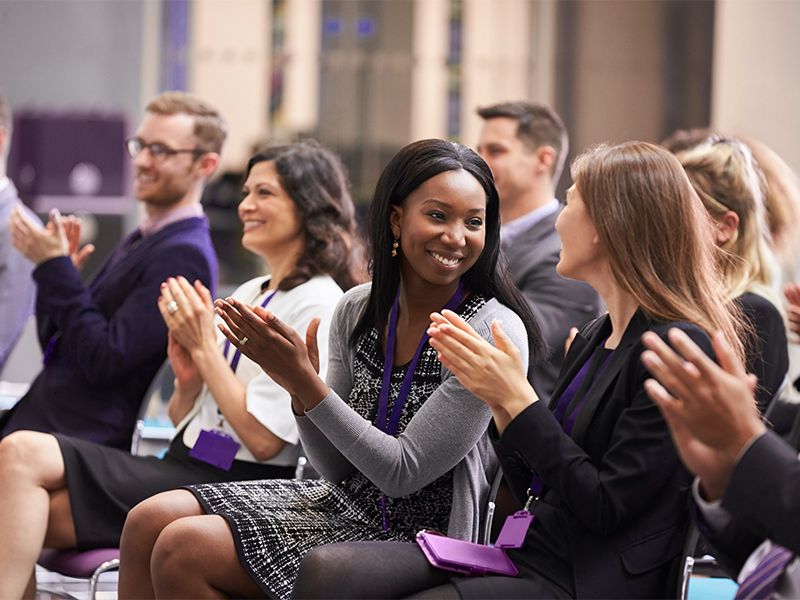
{"points": [[429, 75], [509, 50], [496, 57], [228, 65], [756, 84], [301, 94], [618, 81]]}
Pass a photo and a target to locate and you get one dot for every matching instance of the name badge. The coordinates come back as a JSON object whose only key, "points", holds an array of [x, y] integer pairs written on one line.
{"points": [[215, 448], [512, 535]]}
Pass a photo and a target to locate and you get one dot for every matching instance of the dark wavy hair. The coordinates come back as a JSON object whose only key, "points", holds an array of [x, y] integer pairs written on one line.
{"points": [[410, 168], [316, 181]]}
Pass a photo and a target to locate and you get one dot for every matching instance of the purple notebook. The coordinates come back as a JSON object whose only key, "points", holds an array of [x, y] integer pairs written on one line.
{"points": [[464, 557]]}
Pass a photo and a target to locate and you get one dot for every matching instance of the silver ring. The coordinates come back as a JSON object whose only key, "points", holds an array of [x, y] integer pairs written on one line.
{"points": [[172, 307], [243, 341]]}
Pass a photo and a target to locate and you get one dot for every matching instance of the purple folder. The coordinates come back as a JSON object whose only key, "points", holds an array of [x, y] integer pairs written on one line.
{"points": [[464, 557]]}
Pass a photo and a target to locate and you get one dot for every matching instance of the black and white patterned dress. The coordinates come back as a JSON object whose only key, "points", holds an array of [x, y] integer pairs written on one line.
{"points": [[275, 522]]}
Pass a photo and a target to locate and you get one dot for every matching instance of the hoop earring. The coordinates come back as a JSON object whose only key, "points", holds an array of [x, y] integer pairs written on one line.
{"points": [[395, 246]]}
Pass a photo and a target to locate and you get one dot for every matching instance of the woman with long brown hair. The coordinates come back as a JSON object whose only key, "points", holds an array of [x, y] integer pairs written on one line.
{"points": [[597, 468]]}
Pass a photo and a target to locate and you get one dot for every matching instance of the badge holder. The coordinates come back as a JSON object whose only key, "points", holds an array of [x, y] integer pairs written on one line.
{"points": [[469, 558], [512, 535], [216, 448]]}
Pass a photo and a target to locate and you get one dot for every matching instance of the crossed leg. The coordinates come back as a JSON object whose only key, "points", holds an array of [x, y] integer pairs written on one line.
{"points": [[35, 510], [172, 549]]}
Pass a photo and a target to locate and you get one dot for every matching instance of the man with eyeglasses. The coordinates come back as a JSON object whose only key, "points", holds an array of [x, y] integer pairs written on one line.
{"points": [[104, 342]]}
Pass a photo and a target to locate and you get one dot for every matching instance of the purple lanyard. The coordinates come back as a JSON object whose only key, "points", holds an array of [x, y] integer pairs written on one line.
{"points": [[568, 419], [388, 363], [579, 386], [238, 354], [392, 425]]}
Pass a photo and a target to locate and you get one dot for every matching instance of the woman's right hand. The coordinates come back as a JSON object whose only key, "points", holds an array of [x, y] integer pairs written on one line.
{"points": [[495, 374], [189, 314], [293, 363], [187, 376]]}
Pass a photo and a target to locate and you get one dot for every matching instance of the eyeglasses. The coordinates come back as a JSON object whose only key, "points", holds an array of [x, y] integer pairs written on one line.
{"points": [[158, 151]]}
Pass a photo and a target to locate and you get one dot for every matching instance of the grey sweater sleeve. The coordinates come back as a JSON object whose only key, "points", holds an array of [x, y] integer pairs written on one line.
{"points": [[438, 437], [324, 457]]}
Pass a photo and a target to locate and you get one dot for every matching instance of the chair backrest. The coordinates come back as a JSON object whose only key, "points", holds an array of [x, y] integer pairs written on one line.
{"points": [[153, 402], [687, 561], [784, 386], [698, 567], [25, 360]]}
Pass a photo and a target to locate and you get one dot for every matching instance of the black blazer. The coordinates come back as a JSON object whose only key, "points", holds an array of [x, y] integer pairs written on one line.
{"points": [[615, 486], [768, 355], [763, 499]]}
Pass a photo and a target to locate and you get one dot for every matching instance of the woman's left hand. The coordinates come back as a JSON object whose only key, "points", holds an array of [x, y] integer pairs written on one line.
{"points": [[276, 348], [494, 374], [191, 319]]}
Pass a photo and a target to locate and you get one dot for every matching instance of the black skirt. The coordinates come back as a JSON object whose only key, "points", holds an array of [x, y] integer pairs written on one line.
{"points": [[105, 483]]}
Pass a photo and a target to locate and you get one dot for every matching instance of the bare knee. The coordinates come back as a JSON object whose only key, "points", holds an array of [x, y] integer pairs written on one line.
{"points": [[177, 550], [170, 549], [32, 457], [147, 519]]}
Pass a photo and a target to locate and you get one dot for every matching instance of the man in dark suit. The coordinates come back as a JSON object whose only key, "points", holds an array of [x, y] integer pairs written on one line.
{"points": [[747, 486], [104, 342], [17, 290], [526, 144]]}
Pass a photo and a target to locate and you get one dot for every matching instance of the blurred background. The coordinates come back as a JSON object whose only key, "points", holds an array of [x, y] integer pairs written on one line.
{"points": [[366, 77]]}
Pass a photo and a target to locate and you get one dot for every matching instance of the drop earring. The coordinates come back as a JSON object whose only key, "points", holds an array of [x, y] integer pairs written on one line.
{"points": [[395, 246]]}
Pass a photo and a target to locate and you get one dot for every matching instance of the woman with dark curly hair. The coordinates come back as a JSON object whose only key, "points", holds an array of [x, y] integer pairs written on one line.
{"points": [[234, 422]]}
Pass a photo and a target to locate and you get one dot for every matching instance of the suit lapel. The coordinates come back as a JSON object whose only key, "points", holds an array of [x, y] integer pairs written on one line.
{"points": [[598, 391], [580, 351], [520, 247]]}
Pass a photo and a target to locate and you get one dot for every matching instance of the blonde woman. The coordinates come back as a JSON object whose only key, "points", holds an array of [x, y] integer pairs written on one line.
{"points": [[727, 180]]}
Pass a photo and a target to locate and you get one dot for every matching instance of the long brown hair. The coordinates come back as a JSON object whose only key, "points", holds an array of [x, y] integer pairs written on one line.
{"points": [[657, 235]]}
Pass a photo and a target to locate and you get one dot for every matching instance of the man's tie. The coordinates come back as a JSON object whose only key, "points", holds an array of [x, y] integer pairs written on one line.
{"points": [[760, 584]]}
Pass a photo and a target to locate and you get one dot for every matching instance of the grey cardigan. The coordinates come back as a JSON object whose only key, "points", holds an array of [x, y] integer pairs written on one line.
{"points": [[448, 431]]}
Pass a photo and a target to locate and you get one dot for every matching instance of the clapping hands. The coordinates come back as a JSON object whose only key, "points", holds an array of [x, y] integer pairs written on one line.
{"points": [[289, 360], [59, 237], [495, 374]]}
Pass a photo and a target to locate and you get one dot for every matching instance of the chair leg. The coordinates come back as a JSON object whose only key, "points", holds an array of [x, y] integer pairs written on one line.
{"points": [[109, 565], [688, 567]]}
